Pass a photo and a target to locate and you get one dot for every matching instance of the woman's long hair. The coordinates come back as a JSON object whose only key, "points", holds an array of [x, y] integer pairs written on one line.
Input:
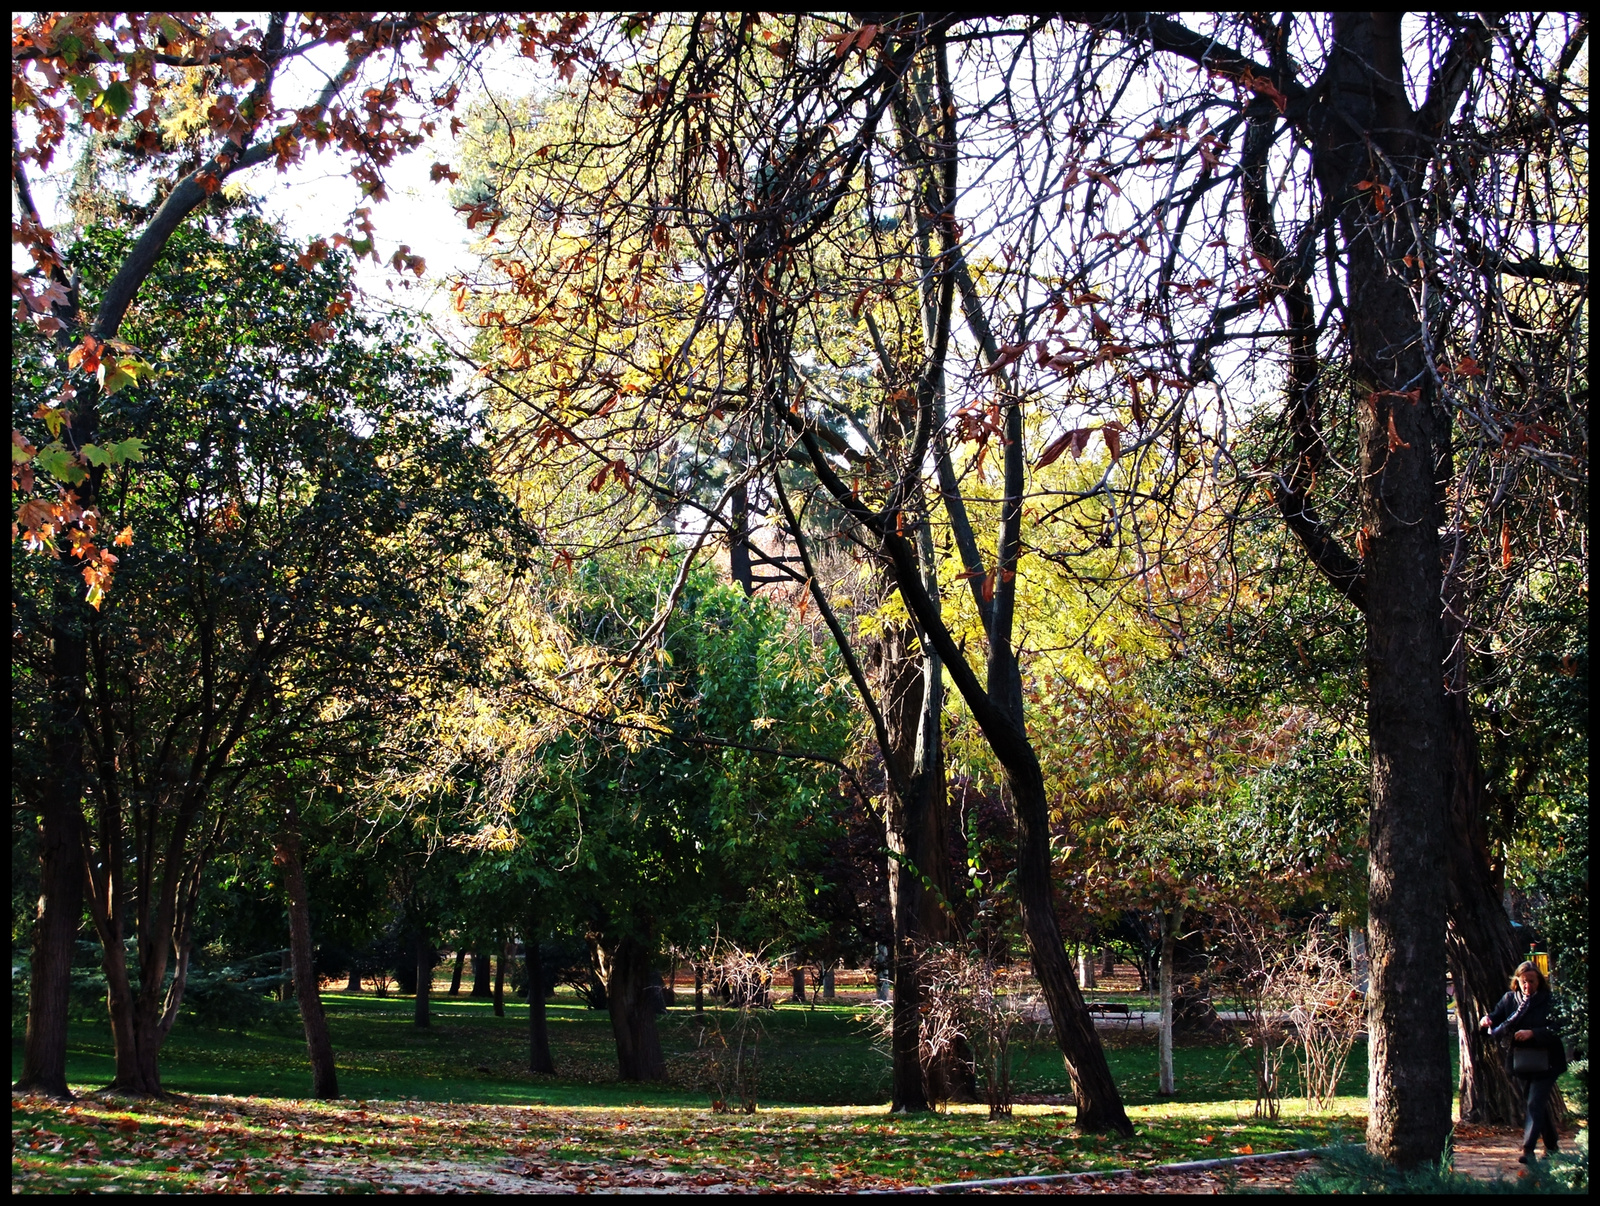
{"points": [[1516, 976]]}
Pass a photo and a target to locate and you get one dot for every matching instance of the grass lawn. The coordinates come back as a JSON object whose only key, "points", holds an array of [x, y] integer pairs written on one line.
{"points": [[456, 1097]]}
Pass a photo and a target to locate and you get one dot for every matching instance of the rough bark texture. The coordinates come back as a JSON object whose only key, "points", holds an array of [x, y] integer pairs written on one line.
{"points": [[629, 975], [423, 950], [539, 1059], [319, 1045], [1402, 442], [1481, 949]]}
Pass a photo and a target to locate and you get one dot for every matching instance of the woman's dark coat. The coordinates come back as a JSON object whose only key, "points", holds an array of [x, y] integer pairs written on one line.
{"points": [[1518, 1012]]}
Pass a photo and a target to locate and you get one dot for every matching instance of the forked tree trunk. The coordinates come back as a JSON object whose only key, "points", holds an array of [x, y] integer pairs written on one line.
{"points": [[424, 963], [319, 1045], [629, 976], [539, 1059]]}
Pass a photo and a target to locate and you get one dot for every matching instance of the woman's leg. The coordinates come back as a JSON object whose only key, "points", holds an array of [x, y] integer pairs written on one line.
{"points": [[1539, 1123]]}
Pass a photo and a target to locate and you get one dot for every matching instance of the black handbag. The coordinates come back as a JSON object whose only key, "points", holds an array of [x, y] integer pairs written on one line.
{"points": [[1530, 1061]]}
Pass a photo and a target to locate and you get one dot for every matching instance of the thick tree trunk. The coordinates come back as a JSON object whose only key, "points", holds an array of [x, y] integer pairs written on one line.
{"points": [[1170, 921], [354, 983], [482, 974], [633, 1017], [539, 1059], [797, 985], [1481, 949], [1363, 109], [319, 1045], [1108, 961], [827, 985], [135, 1034], [455, 971], [1085, 967], [424, 953], [61, 867]]}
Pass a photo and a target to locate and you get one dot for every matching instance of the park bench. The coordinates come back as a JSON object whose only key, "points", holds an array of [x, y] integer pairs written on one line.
{"points": [[1107, 1007]]}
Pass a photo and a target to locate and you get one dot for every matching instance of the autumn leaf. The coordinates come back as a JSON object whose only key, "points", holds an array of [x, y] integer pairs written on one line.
{"points": [[1505, 544], [1395, 442], [1113, 437]]}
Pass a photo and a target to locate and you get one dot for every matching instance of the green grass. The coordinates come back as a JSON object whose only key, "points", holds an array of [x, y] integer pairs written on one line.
{"points": [[457, 1095], [821, 1056]]}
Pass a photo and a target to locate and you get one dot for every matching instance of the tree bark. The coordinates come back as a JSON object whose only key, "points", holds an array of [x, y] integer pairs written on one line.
{"points": [[827, 985], [633, 1017], [797, 985], [1362, 108], [1170, 920], [455, 971], [482, 972], [424, 953], [500, 979], [61, 869], [699, 989], [1086, 969], [1481, 949], [354, 983], [319, 1044], [539, 1059]]}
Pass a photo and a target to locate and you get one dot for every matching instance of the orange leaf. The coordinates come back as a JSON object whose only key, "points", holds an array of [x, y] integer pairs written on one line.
{"points": [[1395, 442], [1505, 544], [125, 536]]}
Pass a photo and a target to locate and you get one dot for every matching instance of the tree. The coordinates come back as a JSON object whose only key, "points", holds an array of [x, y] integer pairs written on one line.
{"points": [[101, 68], [726, 157], [302, 492]]}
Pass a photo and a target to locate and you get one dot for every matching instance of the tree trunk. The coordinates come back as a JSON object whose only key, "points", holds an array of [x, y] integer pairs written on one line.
{"points": [[740, 569], [60, 907], [354, 983], [1108, 961], [455, 972], [1170, 920], [1099, 1104], [1363, 109], [1085, 967], [500, 979], [633, 1016], [797, 985], [482, 971], [424, 957], [699, 989], [135, 1036], [538, 1028], [1482, 951], [827, 985], [319, 1045]]}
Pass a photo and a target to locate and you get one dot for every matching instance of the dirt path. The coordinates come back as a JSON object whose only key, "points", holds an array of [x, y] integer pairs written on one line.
{"points": [[1487, 1152]]}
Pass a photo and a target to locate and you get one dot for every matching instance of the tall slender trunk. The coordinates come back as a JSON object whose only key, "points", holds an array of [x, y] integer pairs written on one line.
{"points": [[500, 962], [455, 971], [699, 989], [633, 1017], [61, 866], [423, 951], [1170, 921], [539, 1059], [1086, 955], [481, 974], [319, 1045]]}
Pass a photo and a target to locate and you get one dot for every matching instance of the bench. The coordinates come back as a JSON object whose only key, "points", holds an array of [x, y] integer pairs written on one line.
{"points": [[1107, 1007]]}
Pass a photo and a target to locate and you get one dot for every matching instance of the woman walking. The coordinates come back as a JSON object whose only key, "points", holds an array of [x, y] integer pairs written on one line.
{"points": [[1537, 1054]]}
